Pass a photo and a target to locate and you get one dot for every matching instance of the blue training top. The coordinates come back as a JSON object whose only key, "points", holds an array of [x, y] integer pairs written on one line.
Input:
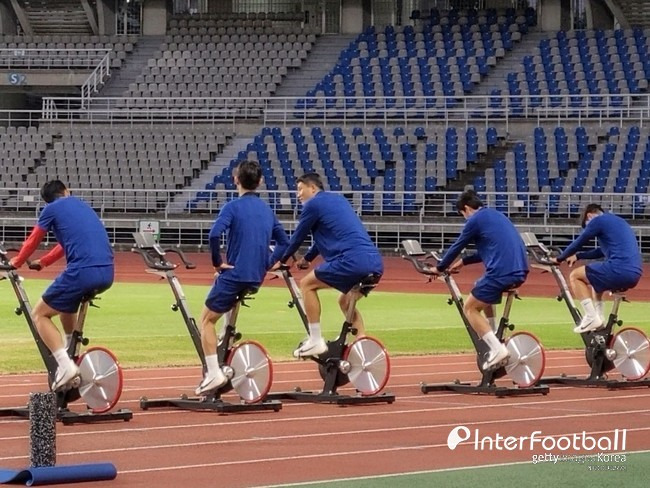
{"points": [[251, 224], [336, 228], [616, 241], [79, 231], [498, 244]]}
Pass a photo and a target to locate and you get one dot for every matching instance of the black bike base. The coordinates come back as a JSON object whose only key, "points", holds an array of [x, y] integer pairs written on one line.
{"points": [[21, 412], [597, 382], [498, 391], [331, 398], [213, 404], [68, 417]]}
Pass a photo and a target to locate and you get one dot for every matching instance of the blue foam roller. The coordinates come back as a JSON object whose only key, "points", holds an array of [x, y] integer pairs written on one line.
{"points": [[48, 475]]}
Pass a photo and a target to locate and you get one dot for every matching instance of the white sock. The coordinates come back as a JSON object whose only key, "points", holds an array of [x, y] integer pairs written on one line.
{"points": [[314, 330], [588, 307], [212, 362], [599, 306], [491, 340], [62, 358]]}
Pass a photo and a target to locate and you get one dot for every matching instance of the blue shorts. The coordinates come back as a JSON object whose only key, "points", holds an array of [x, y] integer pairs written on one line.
{"points": [[489, 289], [70, 287], [224, 293], [346, 272], [603, 276]]}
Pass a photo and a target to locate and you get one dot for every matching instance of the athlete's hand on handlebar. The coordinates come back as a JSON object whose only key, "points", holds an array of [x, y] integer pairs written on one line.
{"points": [[571, 260], [35, 265], [302, 263], [455, 267], [12, 263]]}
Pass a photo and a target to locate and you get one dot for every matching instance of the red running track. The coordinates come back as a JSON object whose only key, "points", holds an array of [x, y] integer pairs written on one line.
{"points": [[304, 442], [307, 442]]}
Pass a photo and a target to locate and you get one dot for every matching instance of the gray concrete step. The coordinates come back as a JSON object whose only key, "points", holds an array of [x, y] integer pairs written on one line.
{"points": [[322, 58], [215, 167], [497, 77], [133, 65]]}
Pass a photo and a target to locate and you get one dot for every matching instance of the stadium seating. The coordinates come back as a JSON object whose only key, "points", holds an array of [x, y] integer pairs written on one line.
{"points": [[569, 161], [361, 161], [117, 158], [49, 51], [445, 56], [581, 63], [211, 57]]}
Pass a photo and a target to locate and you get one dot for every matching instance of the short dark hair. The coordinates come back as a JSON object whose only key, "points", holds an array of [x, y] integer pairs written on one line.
{"points": [[249, 174], [470, 199], [311, 179], [52, 190], [590, 208]]}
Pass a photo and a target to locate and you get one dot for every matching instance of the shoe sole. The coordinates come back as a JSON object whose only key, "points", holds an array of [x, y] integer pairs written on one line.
{"points": [[302, 354], [589, 329], [57, 386], [199, 391], [497, 365]]}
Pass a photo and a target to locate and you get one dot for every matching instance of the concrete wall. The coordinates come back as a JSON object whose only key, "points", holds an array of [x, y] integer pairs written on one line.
{"points": [[351, 16], [601, 16], [20, 79], [551, 15], [106, 17], [555, 15], [7, 19], [10, 101], [154, 17]]}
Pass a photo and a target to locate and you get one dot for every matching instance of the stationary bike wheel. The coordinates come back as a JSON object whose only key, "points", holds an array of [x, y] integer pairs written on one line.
{"points": [[527, 359], [632, 353], [252, 371], [101, 379], [369, 365]]}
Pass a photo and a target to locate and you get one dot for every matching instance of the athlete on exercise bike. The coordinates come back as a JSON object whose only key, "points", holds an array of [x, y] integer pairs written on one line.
{"points": [[621, 269], [83, 240], [344, 245], [503, 253], [251, 224]]}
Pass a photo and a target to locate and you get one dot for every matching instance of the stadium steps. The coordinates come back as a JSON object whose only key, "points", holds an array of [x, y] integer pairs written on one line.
{"points": [[57, 17], [478, 169], [143, 50], [637, 12], [322, 58], [215, 167], [496, 78]]}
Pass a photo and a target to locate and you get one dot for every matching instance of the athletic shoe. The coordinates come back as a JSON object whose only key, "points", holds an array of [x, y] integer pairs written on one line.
{"points": [[311, 348], [211, 383], [496, 358], [588, 324], [64, 376]]}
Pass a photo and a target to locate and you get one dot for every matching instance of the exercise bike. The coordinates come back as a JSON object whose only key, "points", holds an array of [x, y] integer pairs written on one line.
{"points": [[100, 381], [364, 362], [627, 351], [527, 359], [246, 364]]}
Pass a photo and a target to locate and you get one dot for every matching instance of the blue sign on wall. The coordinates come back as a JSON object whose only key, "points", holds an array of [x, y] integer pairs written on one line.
{"points": [[17, 79]]}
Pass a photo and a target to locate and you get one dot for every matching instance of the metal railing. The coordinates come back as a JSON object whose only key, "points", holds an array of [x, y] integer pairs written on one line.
{"points": [[78, 59], [471, 109], [96, 79], [143, 109], [420, 207], [193, 233]]}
